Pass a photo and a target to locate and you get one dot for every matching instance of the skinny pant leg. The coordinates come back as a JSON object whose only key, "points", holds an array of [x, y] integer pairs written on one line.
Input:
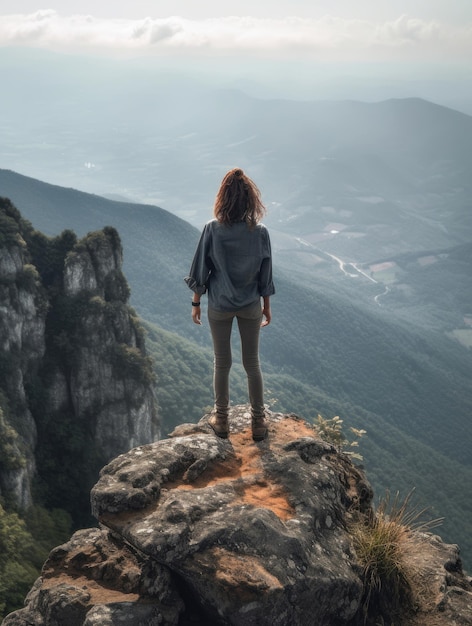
{"points": [[249, 324], [220, 327]]}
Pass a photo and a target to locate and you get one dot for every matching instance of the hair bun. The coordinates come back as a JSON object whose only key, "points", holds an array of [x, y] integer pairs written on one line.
{"points": [[238, 173]]}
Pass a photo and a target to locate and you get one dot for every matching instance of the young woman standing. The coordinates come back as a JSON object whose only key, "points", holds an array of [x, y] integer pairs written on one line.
{"points": [[233, 265]]}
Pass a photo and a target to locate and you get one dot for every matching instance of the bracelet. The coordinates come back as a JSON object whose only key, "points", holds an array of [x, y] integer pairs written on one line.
{"points": [[195, 303]]}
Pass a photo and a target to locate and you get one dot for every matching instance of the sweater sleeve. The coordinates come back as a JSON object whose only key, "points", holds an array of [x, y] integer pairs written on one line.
{"points": [[266, 284], [201, 267]]}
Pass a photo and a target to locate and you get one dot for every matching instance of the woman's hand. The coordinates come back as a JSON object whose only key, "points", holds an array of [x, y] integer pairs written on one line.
{"points": [[196, 315], [266, 312]]}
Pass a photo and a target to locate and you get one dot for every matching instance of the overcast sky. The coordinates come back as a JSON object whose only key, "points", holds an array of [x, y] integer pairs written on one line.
{"points": [[424, 31], [452, 11]]}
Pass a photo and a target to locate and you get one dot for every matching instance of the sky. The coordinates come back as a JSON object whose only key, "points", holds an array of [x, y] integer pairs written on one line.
{"points": [[418, 31], [456, 11], [357, 49]]}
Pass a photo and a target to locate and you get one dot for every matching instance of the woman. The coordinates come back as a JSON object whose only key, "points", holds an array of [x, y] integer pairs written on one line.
{"points": [[233, 264]]}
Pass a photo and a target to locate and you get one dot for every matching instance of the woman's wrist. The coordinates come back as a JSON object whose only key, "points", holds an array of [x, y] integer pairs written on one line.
{"points": [[195, 303]]}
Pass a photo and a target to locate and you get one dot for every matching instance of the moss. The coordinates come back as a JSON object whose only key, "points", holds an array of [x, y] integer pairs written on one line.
{"points": [[28, 278], [129, 361], [98, 304]]}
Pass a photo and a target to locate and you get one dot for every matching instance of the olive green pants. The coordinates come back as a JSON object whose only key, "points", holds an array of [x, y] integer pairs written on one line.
{"points": [[249, 324]]}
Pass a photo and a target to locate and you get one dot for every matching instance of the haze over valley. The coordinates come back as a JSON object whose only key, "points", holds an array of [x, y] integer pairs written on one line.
{"points": [[355, 190]]}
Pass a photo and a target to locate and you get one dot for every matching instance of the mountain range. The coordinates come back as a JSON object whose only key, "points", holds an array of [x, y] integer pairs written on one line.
{"points": [[134, 130]]}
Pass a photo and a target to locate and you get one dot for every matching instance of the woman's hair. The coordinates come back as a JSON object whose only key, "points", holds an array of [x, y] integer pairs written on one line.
{"points": [[238, 200]]}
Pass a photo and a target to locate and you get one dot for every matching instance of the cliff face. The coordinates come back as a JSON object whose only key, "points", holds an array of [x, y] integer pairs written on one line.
{"points": [[199, 530], [23, 307], [108, 375], [76, 384]]}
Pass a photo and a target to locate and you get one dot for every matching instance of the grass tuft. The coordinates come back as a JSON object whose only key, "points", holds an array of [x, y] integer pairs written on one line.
{"points": [[381, 541]]}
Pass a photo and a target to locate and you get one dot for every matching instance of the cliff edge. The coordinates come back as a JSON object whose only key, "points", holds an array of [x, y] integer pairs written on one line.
{"points": [[199, 530]]}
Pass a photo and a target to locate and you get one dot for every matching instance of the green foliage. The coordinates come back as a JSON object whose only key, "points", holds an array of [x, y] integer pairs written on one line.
{"points": [[12, 225], [8, 223], [113, 237], [24, 546], [28, 278], [16, 573], [130, 362], [10, 456], [48, 528], [48, 255], [68, 463], [331, 430], [99, 240], [92, 240]]}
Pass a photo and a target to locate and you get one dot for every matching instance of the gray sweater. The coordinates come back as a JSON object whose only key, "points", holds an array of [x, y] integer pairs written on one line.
{"points": [[233, 263]]}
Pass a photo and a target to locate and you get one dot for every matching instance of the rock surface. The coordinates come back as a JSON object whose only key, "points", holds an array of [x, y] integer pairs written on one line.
{"points": [[200, 530]]}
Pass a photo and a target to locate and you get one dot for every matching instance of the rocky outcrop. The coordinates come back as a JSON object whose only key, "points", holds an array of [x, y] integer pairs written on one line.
{"points": [[76, 386], [200, 530], [108, 374]]}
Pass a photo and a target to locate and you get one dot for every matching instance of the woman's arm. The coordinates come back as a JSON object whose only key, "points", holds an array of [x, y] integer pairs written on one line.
{"points": [[199, 273], [196, 310], [266, 311]]}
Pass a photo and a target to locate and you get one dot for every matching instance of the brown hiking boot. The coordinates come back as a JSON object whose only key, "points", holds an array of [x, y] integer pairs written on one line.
{"points": [[259, 428], [219, 425]]}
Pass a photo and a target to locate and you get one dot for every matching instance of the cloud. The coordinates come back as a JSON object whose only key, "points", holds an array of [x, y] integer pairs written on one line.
{"points": [[325, 36]]}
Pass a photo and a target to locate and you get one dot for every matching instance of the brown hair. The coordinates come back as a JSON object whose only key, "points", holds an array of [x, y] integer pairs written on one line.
{"points": [[238, 200]]}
